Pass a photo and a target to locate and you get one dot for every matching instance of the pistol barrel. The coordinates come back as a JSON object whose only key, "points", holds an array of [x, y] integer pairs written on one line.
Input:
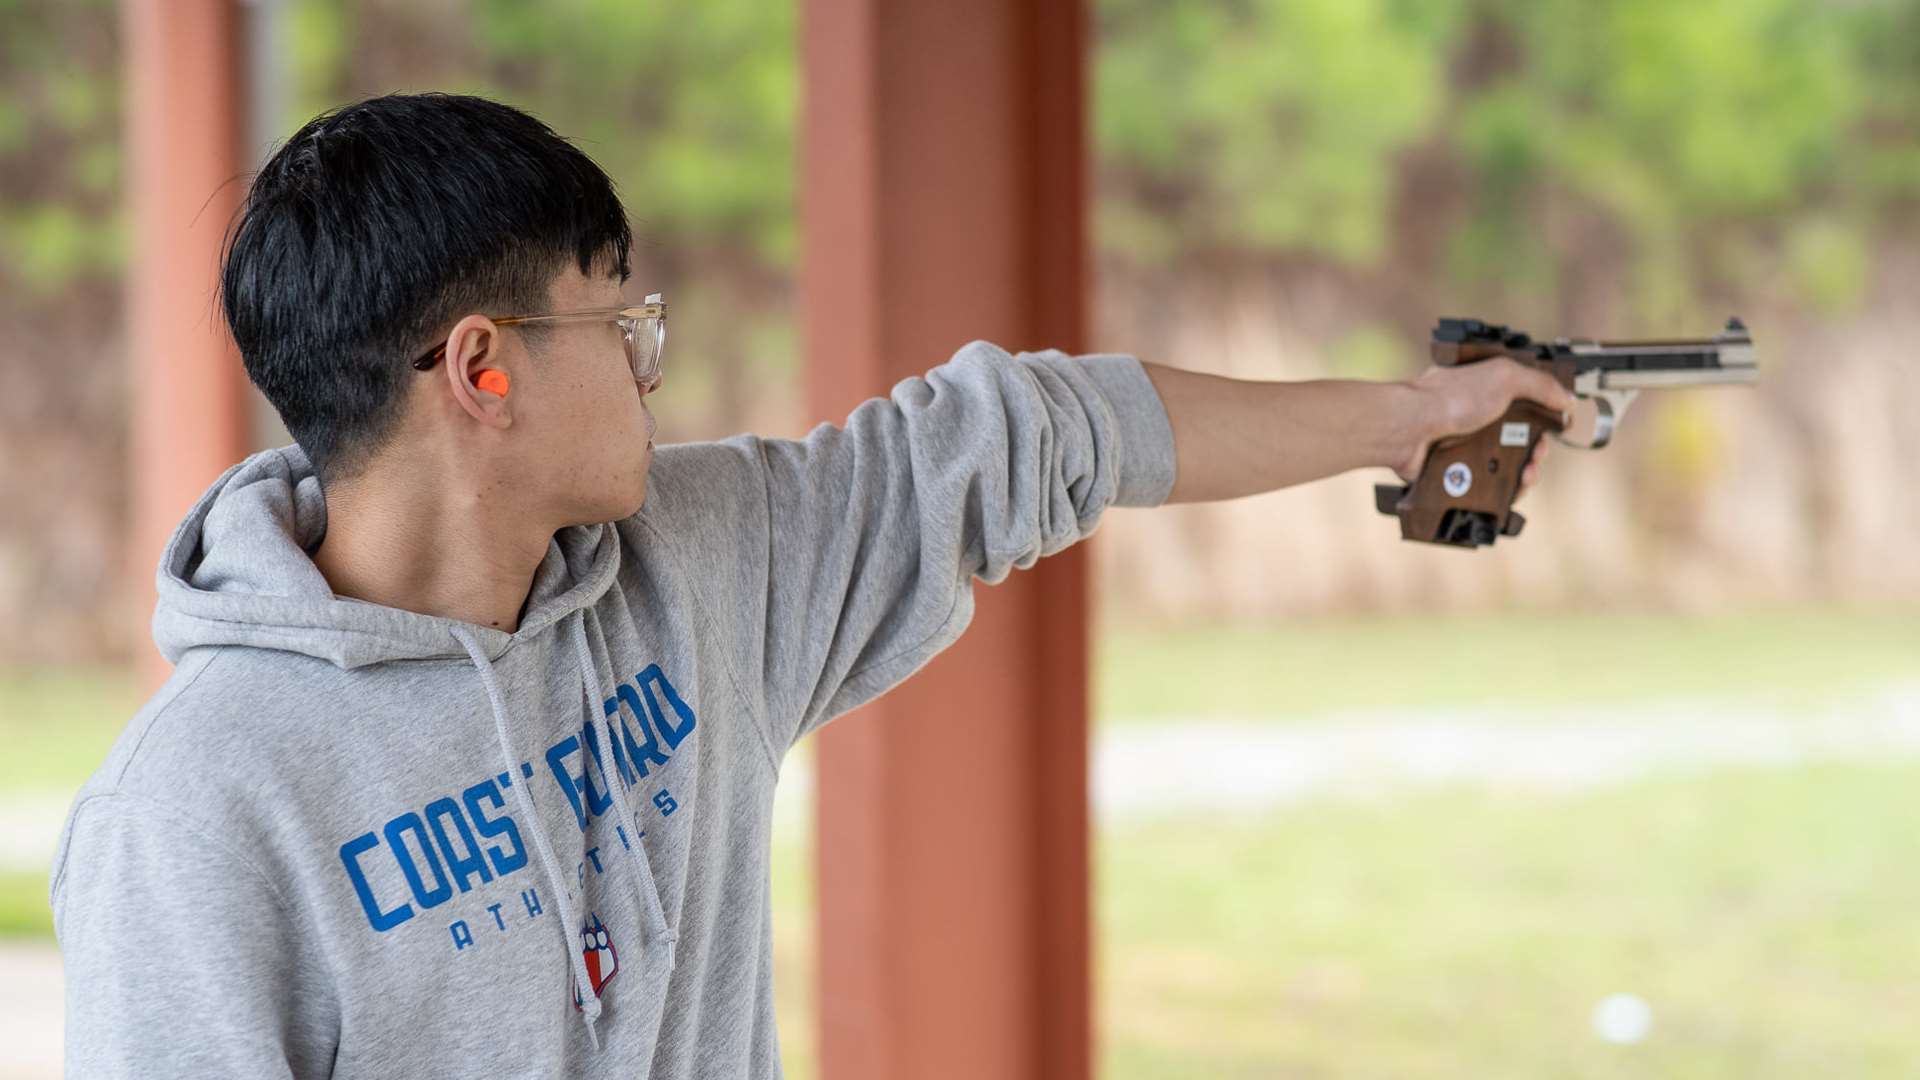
{"points": [[1634, 365], [1643, 379]]}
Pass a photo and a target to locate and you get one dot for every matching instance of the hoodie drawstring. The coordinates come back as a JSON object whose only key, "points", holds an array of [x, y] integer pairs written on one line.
{"points": [[658, 930], [639, 870], [589, 1001]]}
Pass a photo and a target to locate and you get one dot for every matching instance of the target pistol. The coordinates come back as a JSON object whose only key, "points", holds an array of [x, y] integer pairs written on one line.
{"points": [[1464, 493]]}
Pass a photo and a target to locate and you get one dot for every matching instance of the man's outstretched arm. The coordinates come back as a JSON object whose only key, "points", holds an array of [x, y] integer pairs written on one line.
{"points": [[1236, 437]]}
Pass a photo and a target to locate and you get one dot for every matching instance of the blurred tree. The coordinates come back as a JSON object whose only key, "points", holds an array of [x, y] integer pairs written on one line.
{"points": [[1636, 154], [60, 216], [689, 108], [1261, 126], [62, 437], [1689, 128]]}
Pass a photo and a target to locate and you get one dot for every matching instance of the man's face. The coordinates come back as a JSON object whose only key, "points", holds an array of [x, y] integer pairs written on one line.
{"points": [[587, 429]]}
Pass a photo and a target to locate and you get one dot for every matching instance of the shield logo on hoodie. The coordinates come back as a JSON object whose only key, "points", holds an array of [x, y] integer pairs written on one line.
{"points": [[596, 948]]}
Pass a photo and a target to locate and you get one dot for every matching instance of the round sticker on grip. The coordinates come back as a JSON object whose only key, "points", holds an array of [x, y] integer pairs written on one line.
{"points": [[1457, 479]]}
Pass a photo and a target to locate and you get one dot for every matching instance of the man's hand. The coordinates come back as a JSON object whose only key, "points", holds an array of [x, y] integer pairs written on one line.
{"points": [[1463, 399]]}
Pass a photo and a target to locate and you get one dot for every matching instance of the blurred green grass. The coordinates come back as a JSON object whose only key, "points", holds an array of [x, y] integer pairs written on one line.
{"points": [[23, 905], [1791, 658], [1765, 915], [793, 929], [56, 725], [1466, 931]]}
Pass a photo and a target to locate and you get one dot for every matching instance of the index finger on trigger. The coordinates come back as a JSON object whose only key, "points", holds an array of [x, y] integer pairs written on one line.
{"points": [[1552, 394]]}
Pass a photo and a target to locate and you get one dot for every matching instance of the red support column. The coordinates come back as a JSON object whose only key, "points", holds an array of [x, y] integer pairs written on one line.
{"points": [[943, 199], [189, 392]]}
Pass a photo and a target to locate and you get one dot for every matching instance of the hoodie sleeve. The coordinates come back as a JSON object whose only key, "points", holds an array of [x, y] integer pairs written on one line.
{"points": [[858, 542], [179, 958]]}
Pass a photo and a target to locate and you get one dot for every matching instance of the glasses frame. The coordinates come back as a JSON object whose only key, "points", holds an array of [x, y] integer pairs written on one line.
{"points": [[633, 320]]}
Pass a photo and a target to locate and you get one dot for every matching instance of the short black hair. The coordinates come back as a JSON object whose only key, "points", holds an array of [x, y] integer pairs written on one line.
{"points": [[375, 227]]}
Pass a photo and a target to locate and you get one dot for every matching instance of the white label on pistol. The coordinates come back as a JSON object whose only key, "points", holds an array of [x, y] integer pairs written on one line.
{"points": [[1457, 479], [1514, 434]]}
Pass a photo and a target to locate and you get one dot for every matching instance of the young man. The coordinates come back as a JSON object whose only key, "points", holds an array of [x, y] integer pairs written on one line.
{"points": [[467, 762]]}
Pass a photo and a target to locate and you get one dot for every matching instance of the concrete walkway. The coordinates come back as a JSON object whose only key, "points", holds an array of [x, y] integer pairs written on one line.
{"points": [[1205, 764], [30, 1009]]}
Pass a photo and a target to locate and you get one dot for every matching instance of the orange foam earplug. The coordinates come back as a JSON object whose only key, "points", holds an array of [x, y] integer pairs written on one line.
{"points": [[493, 381]]}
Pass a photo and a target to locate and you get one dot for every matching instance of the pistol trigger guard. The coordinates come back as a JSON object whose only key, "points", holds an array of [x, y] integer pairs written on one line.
{"points": [[1610, 406]]}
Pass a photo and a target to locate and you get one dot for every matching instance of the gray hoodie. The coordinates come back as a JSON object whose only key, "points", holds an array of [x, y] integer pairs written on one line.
{"points": [[346, 839]]}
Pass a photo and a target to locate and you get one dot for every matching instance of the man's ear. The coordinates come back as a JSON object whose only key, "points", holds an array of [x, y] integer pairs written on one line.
{"points": [[473, 346]]}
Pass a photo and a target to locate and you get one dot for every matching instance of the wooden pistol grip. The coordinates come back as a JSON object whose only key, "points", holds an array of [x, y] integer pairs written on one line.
{"points": [[1453, 353], [1464, 493]]}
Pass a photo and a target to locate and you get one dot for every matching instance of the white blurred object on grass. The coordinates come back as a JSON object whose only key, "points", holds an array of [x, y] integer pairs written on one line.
{"points": [[1622, 1018]]}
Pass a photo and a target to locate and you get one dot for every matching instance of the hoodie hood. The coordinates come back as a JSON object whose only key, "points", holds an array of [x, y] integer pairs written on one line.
{"points": [[239, 571]]}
